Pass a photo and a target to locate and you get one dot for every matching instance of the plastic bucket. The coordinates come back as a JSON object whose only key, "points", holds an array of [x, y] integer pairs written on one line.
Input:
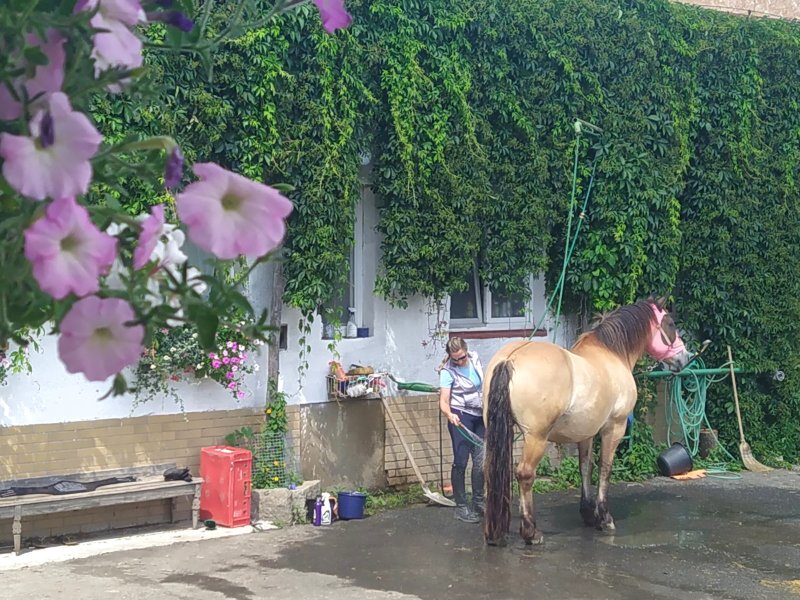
{"points": [[351, 505], [675, 460]]}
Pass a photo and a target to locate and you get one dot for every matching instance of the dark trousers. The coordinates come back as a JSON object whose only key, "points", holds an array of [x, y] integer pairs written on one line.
{"points": [[463, 448]]}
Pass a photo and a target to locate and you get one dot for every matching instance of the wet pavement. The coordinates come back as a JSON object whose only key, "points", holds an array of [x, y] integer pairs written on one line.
{"points": [[698, 539]]}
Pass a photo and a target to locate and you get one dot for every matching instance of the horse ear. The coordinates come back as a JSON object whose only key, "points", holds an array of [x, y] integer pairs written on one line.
{"points": [[661, 302]]}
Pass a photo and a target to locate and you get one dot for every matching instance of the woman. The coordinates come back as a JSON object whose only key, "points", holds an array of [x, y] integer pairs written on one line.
{"points": [[460, 381]]}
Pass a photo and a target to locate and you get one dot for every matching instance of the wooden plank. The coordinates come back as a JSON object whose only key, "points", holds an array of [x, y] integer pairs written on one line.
{"points": [[140, 472], [121, 493]]}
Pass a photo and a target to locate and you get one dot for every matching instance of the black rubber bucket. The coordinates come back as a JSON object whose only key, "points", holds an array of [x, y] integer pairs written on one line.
{"points": [[675, 460]]}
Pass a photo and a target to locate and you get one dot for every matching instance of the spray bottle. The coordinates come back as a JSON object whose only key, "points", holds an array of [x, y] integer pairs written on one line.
{"points": [[327, 509], [351, 330], [318, 512]]}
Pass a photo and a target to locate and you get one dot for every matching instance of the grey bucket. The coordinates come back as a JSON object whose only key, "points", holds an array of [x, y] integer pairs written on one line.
{"points": [[675, 460]]}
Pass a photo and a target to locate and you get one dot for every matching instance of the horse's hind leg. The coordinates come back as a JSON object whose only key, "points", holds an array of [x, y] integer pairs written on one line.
{"points": [[585, 460], [610, 437], [526, 472]]}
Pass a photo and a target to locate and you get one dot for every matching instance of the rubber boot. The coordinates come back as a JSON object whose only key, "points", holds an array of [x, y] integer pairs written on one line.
{"points": [[463, 511], [478, 504]]}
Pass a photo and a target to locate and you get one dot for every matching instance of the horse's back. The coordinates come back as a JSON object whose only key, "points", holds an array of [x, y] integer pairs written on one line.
{"points": [[541, 387]]}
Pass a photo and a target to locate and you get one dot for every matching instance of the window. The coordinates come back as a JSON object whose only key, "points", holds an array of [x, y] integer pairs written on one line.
{"points": [[336, 313], [356, 293], [478, 305]]}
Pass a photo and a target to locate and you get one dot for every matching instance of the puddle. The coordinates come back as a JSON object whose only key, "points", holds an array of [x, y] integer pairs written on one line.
{"points": [[655, 539]]}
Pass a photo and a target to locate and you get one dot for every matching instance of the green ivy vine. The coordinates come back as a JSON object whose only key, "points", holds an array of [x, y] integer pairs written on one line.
{"points": [[467, 110]]}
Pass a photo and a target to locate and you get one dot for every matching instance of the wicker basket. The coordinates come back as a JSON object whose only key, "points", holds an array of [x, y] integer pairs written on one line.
{"points": [[357, 386]]}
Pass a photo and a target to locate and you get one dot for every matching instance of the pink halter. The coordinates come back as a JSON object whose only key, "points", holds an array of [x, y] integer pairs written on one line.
{"points": [[658, 347]]}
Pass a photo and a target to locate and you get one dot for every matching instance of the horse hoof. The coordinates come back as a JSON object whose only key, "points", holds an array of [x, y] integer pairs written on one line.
{"points": [[536, 540], [499, 542], [607, 527]]}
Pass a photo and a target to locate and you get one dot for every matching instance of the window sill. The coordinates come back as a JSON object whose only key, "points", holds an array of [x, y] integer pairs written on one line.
{"points": [[482, 334]]}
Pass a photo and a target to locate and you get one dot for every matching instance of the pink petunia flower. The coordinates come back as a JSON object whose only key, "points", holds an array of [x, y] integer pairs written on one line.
{"points": [[46, 79], [152, 229], [216, 364], [67, 252], [230, 215], [333, 14], [95, 339], [116, 45], [54, 161]]}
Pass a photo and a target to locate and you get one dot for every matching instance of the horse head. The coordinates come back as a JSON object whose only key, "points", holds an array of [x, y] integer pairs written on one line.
{"points": [[665, 343]]}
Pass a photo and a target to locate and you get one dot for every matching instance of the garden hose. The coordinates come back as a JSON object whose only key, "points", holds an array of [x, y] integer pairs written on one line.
{"points": [[570, 242], [689, 412]]}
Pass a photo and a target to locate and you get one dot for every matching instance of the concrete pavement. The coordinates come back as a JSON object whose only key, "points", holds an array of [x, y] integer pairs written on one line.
{"points": [[699, 539]]}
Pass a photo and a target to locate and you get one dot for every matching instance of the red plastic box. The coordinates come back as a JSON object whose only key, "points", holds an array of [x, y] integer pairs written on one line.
{"points": [[226, 473]]}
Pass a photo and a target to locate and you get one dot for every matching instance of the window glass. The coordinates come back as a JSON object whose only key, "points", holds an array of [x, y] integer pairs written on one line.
{"points": [[507, 305], [335, 314], [464, 305]]}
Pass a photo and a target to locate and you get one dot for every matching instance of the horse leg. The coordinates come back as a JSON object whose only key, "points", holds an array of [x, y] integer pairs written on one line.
{"points": [[526, 472], [585, 460], [610, 436]]}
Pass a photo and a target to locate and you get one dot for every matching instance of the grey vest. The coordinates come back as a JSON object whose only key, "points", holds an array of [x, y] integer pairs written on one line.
{"points": [[465, 395]]}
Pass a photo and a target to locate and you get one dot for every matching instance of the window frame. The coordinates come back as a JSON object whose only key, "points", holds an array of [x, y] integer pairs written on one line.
{"points": [[486, 320]]}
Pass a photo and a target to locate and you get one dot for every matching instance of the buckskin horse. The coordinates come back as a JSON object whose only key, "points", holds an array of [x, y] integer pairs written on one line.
{"points": [[559, 395]]}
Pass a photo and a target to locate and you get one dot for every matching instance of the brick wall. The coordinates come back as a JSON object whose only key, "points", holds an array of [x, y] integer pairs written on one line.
{"points": [[418, 419], [87, 446]]}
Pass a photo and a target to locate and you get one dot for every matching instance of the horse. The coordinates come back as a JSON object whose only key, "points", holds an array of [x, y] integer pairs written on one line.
{"points": [[559, 395]]}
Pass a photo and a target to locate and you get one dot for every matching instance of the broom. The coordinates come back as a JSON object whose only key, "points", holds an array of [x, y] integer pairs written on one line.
{"points": [[750, 462]]}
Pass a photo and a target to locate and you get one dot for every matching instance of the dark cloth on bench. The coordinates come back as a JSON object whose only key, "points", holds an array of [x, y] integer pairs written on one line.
{"points": [[62, 487]]}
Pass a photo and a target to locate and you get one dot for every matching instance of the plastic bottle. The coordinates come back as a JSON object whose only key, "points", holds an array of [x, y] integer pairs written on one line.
{"points": [[351, 330], [318, 512], [327, 510]]}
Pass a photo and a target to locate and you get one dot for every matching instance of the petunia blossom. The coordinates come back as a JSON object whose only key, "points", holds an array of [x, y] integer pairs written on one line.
{"points": [[333, 14], [46, 78], [173, 168], [67, 252], [97, 338], [54, 161], [229, 215], [174, 18], [116, 45], [152, 229]]}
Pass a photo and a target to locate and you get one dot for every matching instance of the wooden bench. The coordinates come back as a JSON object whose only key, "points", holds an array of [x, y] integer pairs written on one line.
{"points": [[149, 485]]}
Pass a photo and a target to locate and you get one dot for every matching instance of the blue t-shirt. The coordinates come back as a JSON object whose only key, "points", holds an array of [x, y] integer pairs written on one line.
{"points": [[446, 380]]}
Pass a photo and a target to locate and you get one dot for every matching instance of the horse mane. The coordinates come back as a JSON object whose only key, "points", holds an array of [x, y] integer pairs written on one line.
{"points": [[625, 330]]}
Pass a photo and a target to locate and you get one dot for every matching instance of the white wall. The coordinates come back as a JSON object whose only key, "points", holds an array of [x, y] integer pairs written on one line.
{"points": [[403, 343], [52, 395]]}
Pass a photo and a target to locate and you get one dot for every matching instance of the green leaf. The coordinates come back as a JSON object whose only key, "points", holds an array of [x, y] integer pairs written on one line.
{"points": [[206, 321], [35, 56]]}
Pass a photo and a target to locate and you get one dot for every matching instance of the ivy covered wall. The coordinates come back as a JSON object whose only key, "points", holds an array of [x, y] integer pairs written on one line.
{"points": [[467, 110]]}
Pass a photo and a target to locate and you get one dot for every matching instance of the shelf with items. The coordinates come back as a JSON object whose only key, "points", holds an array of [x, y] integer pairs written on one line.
{"points": [[356, 386]]}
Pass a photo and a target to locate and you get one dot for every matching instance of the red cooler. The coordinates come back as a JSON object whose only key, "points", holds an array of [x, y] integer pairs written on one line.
{"points": [[226, 473]]}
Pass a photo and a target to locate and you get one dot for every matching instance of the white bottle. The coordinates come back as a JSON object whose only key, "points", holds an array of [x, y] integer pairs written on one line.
{"points": [[327, 513], [351, 330]]}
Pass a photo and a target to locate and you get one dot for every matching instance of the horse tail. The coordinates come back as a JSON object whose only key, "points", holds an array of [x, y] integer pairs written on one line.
{"points": [[497, 466]]}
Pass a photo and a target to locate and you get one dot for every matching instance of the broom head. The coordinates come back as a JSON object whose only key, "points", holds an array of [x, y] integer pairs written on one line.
{"points": [[750, 462]]}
